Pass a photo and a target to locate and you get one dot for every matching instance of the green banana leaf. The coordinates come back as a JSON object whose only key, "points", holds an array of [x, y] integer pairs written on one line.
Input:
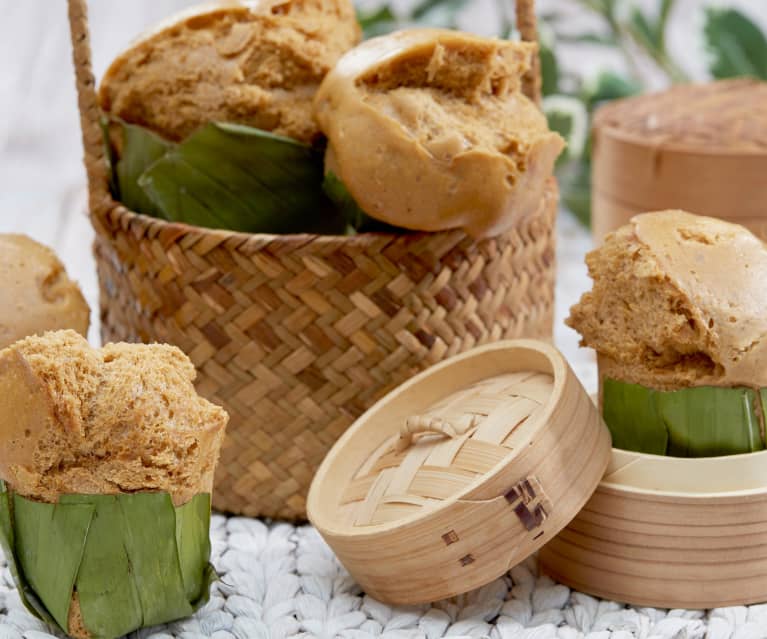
{"points": [[736, 45], [134, 560], [140, 149], [703, 421], [226, 176], [356, 219]]}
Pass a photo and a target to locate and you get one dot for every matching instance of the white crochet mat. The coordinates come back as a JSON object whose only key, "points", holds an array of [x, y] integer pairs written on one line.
{"points": [[283, 581]]}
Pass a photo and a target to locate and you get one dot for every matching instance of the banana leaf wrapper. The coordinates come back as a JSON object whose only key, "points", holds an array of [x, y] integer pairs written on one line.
{"points": [[704, 421], [224, 176], [130, 560]]}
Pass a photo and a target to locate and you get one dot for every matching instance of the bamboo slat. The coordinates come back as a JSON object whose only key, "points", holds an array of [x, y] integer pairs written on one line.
{"points": [[670, 532]]}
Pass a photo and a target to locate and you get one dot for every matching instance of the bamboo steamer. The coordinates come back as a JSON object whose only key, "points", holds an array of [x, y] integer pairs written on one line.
{"points": [[670, 532], [700, 148], [460, 473]]}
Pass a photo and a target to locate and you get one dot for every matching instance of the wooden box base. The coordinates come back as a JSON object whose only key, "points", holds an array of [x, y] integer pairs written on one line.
{"points": [[670, 533]]}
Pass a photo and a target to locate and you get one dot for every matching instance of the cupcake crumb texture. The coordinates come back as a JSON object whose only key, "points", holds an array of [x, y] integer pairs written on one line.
{"points": [[678, 300], [36, 295], [122, 418], [253, 63]]}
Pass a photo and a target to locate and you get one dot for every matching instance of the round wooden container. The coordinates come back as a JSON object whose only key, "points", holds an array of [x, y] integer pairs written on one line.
{"points": [[700, 148], [460, 473], [670, 532]]}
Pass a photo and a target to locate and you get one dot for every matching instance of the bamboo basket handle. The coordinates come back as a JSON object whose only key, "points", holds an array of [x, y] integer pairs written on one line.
{"points": [[99, 198], [527, 25]]}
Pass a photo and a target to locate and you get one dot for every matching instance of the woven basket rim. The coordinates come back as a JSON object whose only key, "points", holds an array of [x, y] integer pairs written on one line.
{"points": [[155, 226], [126, 218]]}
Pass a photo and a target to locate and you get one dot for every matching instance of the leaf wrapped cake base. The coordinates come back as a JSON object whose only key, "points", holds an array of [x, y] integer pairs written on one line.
{"points": [[100, 566], [704, 421]]}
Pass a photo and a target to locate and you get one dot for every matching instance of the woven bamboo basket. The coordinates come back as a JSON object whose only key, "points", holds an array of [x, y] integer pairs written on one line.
{"points": [[700, 148], [297, 335], [460, 473], [670, 532]]}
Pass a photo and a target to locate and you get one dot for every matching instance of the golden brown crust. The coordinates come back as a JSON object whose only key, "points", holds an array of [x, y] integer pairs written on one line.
{"points": [[35, 293], [123, 418], [677, 301], [257, 63], [429, 130]]}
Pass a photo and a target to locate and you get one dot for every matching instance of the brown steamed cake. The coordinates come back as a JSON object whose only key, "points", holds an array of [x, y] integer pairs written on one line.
{"points": [[35, 293], [678, 300], [122, 418], [256, 63], [428, 129]]}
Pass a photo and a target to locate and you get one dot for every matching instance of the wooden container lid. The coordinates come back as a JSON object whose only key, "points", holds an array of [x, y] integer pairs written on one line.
{"points": [[460, 473], [670, 532], [700, 148]]}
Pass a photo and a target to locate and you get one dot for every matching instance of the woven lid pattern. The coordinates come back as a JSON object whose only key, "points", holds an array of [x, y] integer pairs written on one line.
{"points": [[441, 452]]}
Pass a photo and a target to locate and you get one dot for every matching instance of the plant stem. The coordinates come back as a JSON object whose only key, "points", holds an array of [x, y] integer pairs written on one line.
{"points": [[507, 24], [619, 33]]}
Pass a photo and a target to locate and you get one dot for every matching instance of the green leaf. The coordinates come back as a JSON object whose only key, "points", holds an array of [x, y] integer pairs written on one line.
{"points": [[149, 545], [575, 185], [108, 594], [242, 179], [357, 220], [437, 13], [736, 45], [193, 540], [377, 22], [609, 86], [8, 541], [709, 421], [133, 559], [605, 8], [41, 527], [666, 7], [631, 413], [763, 400], [110, 157], [140, 149], [644, 31], [568, 116], [549, 70], [225, 176], [603, 40], [703, 421]]}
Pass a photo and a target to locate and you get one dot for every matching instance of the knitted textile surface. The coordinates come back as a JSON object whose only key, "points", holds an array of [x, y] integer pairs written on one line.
{"points": [[280, 581]]}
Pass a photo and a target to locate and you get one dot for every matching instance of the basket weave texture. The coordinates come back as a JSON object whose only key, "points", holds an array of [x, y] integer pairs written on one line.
{"points": [[297, 335]]}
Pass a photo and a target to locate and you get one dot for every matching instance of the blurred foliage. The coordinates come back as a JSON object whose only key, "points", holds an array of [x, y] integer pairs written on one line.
{"points": [[735, 45]]}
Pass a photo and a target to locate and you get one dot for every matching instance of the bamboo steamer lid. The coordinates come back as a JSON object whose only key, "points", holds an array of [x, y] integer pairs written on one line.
{"points": [[700, 148], [460, 473]]}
